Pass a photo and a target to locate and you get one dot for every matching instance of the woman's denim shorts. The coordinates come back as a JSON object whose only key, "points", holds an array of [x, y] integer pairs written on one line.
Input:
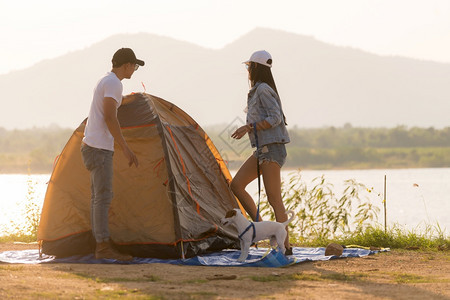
{"points": [[272, 153]]}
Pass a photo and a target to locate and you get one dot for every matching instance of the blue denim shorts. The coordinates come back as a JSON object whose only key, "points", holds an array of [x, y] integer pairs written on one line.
{"points": [[272, 153]]}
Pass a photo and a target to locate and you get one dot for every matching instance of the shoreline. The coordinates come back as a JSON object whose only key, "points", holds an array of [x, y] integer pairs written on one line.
{"points": [[284, 169]]}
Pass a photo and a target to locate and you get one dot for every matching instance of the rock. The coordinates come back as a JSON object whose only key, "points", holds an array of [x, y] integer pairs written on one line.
{"points": [[334, 249]]}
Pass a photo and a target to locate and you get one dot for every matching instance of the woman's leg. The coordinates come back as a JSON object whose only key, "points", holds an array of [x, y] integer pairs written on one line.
{"points": [[272, 183], [246, 174]]}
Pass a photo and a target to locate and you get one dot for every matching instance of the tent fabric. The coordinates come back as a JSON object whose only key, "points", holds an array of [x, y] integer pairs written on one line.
{"points": [[168, 207], [227, 258]]}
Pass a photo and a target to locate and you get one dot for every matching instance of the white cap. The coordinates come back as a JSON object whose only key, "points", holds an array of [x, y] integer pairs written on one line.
{"points": [[261, 57]]}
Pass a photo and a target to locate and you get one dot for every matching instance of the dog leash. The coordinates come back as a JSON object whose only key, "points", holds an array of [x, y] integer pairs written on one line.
{"points": [[257, 170], [259, 183]]}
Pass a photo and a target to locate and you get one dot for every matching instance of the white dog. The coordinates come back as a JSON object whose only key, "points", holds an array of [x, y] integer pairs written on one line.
{"points": [[252, 232]]}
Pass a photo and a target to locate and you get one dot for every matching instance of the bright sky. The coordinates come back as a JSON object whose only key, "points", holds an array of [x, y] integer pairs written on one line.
{"points": [[31, 31]]}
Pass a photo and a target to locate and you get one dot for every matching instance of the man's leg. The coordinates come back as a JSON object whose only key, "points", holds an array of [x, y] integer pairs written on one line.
{"points": [[99, 163], [101, 179]]}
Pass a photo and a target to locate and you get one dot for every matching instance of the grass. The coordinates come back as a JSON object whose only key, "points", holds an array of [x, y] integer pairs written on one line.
{"points": [[99, 294], [395, 238], [11, 268], [399, 278], [413, 278], [146, 278], [117, 294], [268, 278], [112, 293], [46, 295], [310, 277], [403, 278], [202, 295], [410, 278], [196, 281], [354, 276], [306, 277], [17, 237]]}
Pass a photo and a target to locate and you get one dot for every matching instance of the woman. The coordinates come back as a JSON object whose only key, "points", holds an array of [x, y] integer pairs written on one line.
{"points": [[266, 127]]}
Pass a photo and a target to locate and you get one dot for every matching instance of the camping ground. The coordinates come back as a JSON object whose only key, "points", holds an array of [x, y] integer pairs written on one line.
{"points": [[399, 274]]}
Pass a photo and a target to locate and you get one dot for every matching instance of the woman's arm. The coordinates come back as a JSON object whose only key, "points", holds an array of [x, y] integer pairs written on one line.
{"points": [[241, 131], [270, 104]]}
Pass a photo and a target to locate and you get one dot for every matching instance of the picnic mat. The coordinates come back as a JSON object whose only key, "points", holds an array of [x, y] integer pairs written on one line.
{"points": [[261, 257]]}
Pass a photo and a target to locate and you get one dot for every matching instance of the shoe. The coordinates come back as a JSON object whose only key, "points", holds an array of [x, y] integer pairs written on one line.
{"points": [[288, 251], [105, 250]]}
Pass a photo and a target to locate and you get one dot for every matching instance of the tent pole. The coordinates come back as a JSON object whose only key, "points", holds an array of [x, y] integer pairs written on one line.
{"points": [[182, 250]]}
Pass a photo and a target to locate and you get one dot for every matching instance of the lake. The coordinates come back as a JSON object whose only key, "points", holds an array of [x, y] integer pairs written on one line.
{"points": [[415, 197]]}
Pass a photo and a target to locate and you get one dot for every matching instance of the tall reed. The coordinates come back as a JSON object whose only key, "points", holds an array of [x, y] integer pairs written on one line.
{"points": [[26, 230], [320, 212], [323, 216]]}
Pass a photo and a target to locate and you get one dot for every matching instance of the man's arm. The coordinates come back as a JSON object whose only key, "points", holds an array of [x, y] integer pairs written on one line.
{"points": [[110, 113]]}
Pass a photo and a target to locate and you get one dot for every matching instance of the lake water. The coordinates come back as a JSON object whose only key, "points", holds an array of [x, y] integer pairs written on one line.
{"points": [[415, 197], [15, 190]]}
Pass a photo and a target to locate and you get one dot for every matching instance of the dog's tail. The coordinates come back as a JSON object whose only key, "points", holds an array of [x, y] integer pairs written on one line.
{"points": [[292, 213]]}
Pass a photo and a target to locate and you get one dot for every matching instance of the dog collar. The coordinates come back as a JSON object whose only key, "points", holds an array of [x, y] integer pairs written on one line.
{"points": [[247, 229]]}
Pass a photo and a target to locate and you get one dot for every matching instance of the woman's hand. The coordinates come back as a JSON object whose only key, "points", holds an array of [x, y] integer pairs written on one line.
{"points": [[241, 131]]}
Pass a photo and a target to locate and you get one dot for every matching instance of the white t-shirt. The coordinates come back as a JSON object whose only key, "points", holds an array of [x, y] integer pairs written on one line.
{"points": [[96, 133]]}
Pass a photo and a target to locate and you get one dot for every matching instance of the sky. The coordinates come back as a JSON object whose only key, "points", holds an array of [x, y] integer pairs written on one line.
{"points": [[32, 31]]}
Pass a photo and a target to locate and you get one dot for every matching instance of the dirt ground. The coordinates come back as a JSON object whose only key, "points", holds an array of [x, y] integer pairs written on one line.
{"points": [[392, 275]]}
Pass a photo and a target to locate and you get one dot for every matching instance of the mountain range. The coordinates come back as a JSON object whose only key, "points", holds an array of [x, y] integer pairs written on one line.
{"points": [[320, 84]]}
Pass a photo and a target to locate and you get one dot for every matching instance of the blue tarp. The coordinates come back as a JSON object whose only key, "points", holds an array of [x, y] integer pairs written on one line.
{"points": [[261, 257]]}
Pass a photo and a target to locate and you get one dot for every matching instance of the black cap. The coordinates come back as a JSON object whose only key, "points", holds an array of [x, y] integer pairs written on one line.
{"points": [[126, 55]]}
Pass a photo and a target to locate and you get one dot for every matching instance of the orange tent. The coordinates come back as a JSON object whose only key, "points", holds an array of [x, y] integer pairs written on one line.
{"points": [[168, 207]]}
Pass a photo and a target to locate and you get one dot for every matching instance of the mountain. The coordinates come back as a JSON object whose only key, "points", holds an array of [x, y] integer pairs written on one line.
{"points": [[320, 84]]}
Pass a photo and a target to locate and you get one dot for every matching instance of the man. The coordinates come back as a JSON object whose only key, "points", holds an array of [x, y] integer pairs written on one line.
{"points": [[102, 129]]}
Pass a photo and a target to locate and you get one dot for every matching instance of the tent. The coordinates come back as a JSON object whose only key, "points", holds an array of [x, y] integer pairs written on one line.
{"points": [[168, 207]]}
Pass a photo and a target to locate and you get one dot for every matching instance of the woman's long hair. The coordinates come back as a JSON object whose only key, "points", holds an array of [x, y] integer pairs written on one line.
{"points": [[261, 73]]}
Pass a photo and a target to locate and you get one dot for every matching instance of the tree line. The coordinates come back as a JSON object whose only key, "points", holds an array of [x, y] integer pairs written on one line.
{"points": [[354, 147], [34, 148], [327, 147], [348, 136]]}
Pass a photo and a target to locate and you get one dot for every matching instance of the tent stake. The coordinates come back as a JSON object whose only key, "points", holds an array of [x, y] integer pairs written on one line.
{"points": [[40, 249]]}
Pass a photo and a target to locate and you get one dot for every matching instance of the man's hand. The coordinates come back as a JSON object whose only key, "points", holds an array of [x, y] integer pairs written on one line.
{"points": [[110, 112], [132, 158]]}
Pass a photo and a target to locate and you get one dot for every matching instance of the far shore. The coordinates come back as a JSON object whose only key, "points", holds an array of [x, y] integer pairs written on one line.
{"points": [[284, 169]]}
